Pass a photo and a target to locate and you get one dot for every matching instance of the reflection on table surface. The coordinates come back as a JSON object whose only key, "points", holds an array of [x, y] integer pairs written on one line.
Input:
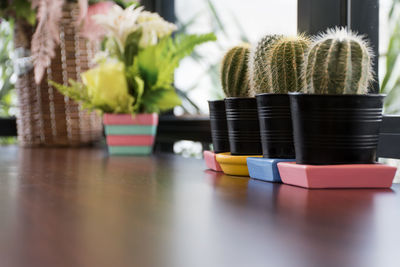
{"points": [[79, 207]]}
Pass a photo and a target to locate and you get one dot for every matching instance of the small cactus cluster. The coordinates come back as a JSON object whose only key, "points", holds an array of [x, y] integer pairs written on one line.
{"points": [[338, 62], [276, 64], [335, 62], [234, 71]]}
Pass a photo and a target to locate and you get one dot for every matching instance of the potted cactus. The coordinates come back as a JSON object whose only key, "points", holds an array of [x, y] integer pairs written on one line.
{"points": [[241, 113], [335, 120], [275, 69], [219, 128], [241, 110], [219, 134]]}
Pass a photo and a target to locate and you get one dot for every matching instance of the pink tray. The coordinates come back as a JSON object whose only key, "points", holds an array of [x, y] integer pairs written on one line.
{"points": [[211, 162], [337, 176]]}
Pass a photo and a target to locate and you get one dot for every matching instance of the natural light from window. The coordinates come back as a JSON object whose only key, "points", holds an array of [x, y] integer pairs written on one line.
{"points": [[233, 23]]}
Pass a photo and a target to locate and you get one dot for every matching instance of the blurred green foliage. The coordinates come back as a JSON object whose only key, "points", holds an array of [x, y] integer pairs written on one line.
{"points": [[219, 28], [391, 82], [7, 79], [18, 9]]}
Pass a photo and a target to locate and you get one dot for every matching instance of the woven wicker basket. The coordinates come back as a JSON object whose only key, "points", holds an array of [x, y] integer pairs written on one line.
{"points": [[47, 118]]}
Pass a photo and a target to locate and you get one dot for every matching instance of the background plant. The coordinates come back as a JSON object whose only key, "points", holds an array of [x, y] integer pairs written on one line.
{"points": [[7, 76], [156, 65], [44, 16], [149, 64]]}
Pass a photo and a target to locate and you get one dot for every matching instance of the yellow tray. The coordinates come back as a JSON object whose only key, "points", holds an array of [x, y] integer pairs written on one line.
{"points": [[234, 165]]}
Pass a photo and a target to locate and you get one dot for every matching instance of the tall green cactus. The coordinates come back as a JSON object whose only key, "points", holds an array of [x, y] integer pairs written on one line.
{"points": [[338, 62], [234, 71], [260, 77]]}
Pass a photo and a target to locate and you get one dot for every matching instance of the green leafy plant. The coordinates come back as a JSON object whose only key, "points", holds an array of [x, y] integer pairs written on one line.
{"points": [[338, 62], [135, 74], [234, 71], [155, 66]]}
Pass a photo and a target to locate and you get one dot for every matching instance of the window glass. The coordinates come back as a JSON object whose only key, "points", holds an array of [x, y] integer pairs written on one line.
{"points": [[233, 22]]}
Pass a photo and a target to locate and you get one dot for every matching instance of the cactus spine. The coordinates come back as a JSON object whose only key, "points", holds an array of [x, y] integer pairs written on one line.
{"points": [[338, 62], [234, 71], [260, 77]]}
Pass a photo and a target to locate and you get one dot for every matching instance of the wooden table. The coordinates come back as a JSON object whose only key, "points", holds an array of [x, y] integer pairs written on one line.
{"points": [[81, 208]]}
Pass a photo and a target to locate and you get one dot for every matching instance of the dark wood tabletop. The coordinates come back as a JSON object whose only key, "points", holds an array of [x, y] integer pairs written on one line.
{"points": [[81, 208]]}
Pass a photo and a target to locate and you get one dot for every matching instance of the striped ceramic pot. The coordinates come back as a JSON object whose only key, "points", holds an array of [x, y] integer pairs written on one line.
{"points": [[128, 134]]}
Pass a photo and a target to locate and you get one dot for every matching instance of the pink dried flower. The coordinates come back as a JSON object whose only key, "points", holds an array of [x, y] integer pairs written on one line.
{"points": [[46, 36], [91, 30]]}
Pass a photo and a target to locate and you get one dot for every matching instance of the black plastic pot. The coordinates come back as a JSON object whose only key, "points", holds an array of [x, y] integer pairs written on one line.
{"points": [[275, 126], [219, 128], [243, 128], [336, 129]]}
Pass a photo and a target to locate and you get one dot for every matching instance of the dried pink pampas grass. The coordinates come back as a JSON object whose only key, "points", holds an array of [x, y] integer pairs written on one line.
{"points": [[46, 35]]}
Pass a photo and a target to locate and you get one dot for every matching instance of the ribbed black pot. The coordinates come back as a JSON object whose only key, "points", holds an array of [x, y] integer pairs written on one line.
{"points": [[219, 128], [243, 127], [336, 129], [275, 126]]}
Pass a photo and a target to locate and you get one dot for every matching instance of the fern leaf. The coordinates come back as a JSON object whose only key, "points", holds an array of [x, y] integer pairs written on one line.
{"points": [[147, 64], [182, 46], [159, 100], [76, 91]]}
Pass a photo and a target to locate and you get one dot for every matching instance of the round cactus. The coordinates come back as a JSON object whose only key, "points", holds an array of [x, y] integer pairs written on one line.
{"points": [[287, 57], [260, 77], [338, 62], [234, 71]]}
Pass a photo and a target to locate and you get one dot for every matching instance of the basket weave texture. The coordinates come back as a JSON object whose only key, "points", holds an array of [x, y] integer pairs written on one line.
{"points": [[46, 117]]}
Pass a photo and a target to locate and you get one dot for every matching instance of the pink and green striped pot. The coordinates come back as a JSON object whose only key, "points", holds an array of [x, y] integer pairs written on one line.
{"points": [[130, 135]]}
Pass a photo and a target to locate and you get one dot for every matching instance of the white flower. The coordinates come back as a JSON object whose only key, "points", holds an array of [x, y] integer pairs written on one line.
{"points": [[119, 22], [153, 28]]}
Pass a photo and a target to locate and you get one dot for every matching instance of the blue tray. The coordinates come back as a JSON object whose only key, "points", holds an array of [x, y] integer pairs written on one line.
{"points": [[265, 169]]}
